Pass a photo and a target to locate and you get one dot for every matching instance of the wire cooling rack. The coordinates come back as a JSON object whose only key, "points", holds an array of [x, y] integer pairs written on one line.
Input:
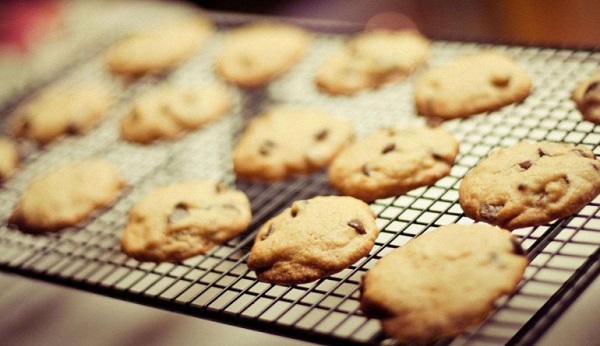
{"points": [[219, 286]]}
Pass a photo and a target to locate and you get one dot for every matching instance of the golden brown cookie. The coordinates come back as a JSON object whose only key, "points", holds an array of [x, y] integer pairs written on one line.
{"points": [[9, 158], [471, 84], [256, 53], [61, 110], [371, 59], [67, 195], [285, 141], [159, 49], [393, 161], [312, 239], [183, 220], [530, 184], [170, 111], [587, 98], [442, 282]]}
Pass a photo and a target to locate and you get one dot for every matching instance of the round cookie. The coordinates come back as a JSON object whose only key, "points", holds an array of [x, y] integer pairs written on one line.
{"points": [[587, 98], [9, 158], [61, 110], [530, 184], [312, 239], [371, 59], [393, 161], [159, 49], [471, 84], [170, 111], [183, 220], [285, 141], [67, 195], [442, 282], [256, 53]]}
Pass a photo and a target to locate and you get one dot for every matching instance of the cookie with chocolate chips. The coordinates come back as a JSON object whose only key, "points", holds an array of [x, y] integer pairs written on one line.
{"points": [[471, 84], [183, 220], [371, 59], [61, 110], [170, 111], [67, 196], [312, 239], [256, 53], [442, 282], [530, 184], [587, 98], [286, 141], [393, 161]]}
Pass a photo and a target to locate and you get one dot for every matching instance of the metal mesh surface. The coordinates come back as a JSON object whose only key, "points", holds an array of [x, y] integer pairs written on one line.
{"points": [[219, 286]]}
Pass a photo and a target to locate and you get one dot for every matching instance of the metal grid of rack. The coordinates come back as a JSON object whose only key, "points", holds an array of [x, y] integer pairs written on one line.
{"points": [[564, 254]]}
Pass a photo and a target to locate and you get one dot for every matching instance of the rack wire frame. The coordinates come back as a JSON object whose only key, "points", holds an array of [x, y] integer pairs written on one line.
{"points": [[218, 285]]}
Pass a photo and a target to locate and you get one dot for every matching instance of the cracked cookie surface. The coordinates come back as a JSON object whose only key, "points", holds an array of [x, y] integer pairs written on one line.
{"points": [[312, 239], [442, 282], [587, 98], [286, 141], [471, 84], [371, 59], [530, 184], [256, 53], [393, 161], [170, 111], [183, 220], [67, 195]]}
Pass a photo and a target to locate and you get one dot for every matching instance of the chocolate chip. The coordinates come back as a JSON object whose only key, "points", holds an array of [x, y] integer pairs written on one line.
{"points": [[266, 148], [566, 179], [591, 87], [500, 80], [517, 247], [25, 125], [388, 148], [595, 167], [525, 165], [521, 187], [542, 152], [179, 212], [321, 135], [488, 212], [269, 232], [295, 209], [436, 156], [366, 169], [358, 226]]}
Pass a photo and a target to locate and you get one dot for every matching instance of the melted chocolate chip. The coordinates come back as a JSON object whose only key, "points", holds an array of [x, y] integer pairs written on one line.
{"points": [[591, 87], [566, 179], [436, 156], [73, 129], [269, 232], [366, 170], [500, 81], [488, 212], [358, 226], [388, 148], [542, 152], [266, 148], [525, 165], [179, 212], [517, 247], [294, 210], [321, 135]]}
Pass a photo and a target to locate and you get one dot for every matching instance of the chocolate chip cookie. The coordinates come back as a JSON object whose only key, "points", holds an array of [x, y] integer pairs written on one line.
{"points": [[61, 110], [67, 196], [312, 239], [587, 98], [530, 184], [256, 53], [286, 141], [442, 282], [9, 158], [159, 49], [170, 111], [183, 220], [371, 59], [393, 161], [471, 84]]}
